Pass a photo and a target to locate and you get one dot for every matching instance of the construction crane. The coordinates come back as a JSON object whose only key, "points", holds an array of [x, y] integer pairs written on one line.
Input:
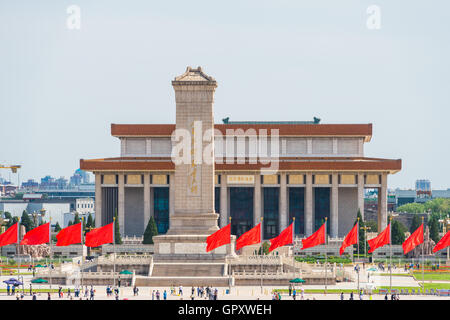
{"points": [[13, 167]]}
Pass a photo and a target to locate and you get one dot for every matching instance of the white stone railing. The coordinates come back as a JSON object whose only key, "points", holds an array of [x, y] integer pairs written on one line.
{"points": [[257, 259], [125, 259], [132, 240]]}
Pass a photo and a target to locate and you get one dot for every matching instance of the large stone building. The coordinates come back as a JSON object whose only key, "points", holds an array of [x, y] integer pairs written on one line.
{"points": [[274, 170]]}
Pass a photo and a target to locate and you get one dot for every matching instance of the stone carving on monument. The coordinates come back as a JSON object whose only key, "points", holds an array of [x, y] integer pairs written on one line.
{"points": [[37, 251], [428, 245]]}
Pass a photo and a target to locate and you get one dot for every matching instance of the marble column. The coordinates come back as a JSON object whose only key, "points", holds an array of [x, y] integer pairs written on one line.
{"points": [[146, 199], [223, 201], [121, 204], [334, 208], [382, 203], [171, 196], [361, 193], [98, 200], [308, 205], [283, 212]]}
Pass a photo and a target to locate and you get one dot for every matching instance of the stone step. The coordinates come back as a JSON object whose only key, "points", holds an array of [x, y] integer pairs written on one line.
{"points": [[182, 281], [188, 269]]}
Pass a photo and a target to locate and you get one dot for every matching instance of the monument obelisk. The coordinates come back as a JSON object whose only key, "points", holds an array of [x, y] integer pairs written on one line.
{"points": [[194, 217]]}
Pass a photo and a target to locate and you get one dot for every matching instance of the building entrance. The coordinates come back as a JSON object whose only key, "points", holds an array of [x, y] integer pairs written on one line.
{"points": [[241, 209]]}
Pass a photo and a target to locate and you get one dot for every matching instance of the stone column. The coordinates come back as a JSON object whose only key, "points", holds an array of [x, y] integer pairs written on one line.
{"points": [[334, 217], [171, 195], [223, 201], [308, 205], [257, 200], [283, 212], [98, 200], [382, 203], [146, 199], [361, 193], [121, 204]]}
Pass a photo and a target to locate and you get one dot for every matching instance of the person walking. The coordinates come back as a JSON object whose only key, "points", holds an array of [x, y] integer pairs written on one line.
{"points": [[290, 290], [351, 295], [342, 295], [92, 293], [34, 296], [294, 294], [8, 289], [165, 295]]}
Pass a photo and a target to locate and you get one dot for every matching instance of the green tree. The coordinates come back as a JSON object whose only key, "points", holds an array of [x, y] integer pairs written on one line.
{"points": [[57, 227], [76, 219], [117, 237], [90, 222], [150, 231], [412, 208], [415, 223], [26, 221], [433, 224], [265, 247], [8, 216], [361, 235], [70, 223], [398, 232]]}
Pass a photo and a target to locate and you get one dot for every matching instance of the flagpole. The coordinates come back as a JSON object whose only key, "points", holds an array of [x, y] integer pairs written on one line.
{"points": [[114, 250], [357, 222], [293, 246], [262, 232], [50, 240], [390, 255], [229, 265], [326, 260], [82, 252], [423, 262], [17, 247], [357, 270]]}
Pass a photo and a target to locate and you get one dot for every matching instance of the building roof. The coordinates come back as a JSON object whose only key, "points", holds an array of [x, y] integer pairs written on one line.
{"points": [[285, 164], [285, 129], [194, 77]]}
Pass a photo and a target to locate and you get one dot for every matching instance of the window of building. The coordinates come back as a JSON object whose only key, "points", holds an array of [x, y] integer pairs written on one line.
{"points": [[297, 208], [271, 212], [161, 208], [241, 209]]}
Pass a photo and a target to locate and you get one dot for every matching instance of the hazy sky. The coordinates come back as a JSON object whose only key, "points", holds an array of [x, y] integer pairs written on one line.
{"points": [[60, 89]]}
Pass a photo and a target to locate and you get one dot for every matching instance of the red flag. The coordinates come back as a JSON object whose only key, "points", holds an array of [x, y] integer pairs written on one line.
{"points": [[97, 237], [350, 239], [284, 238], [252, 236], [219, 238], [315, 239], [37, 235], [69, 235], [9, 236], [382, 239], [443, 243], [413, 240]]}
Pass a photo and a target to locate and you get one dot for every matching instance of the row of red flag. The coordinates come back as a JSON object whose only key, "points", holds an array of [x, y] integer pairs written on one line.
{"points": [[253, 236], [105, 234], [65, 237]]}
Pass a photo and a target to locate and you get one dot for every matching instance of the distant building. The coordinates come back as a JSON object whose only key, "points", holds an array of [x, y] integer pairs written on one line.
{"points": [[79, 177], [53, 210], [85, 205], [423, 189], [30, 185]]}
